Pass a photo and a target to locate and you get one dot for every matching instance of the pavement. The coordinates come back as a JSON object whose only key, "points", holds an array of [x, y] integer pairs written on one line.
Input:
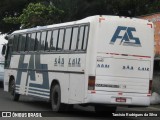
{"points": [[155, 107], [155, 101]]}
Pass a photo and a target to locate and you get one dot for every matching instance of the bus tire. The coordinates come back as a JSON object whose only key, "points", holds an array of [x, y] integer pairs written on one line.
{"points": [[57, 106], [15, 96]]}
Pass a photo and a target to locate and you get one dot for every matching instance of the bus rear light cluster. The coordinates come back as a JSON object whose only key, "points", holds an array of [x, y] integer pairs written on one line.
{"points": [[150, 88], [91, 83], [101, 18], [149, 24]]}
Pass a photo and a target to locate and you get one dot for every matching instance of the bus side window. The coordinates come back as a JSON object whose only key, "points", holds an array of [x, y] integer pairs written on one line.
{"points": [[23, 41], [20, 43], [54, 39], [48, 41], [28, 42], [60, 40], [15, 43], [43, 39], [81, 37], [10, 42], [85, 38], [67, 38], [37, 41], [32, 41], [74, 38]]}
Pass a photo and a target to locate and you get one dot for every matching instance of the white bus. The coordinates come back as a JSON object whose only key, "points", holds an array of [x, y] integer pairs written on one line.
{"points": [[104, 61]]}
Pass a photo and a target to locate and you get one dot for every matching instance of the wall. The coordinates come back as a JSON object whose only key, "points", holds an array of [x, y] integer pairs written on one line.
{"points": [[155, 18]]}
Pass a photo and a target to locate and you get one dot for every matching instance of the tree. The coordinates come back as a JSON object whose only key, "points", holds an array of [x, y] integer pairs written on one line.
{"points": [[37, 14], [10, 8], [12, 15]]}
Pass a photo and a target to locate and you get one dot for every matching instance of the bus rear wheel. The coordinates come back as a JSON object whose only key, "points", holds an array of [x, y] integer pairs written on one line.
{"points": [[12, 87], [57, 106]]}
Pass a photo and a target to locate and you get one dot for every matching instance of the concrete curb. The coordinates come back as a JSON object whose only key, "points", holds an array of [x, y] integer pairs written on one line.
{"points": [[154, 108]]}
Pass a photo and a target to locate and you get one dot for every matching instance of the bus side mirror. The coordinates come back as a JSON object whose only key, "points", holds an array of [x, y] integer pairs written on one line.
{"points": [[3, 50]]}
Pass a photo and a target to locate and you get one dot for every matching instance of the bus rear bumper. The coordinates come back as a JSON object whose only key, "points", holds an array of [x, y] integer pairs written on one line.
{"points": [[127, 100]]}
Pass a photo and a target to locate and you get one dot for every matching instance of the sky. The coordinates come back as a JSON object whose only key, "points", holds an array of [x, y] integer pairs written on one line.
{"points": [[2, 41]]}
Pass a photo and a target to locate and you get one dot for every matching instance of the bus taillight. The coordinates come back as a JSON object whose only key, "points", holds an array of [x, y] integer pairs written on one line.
{"points": [[91, 82], [150, 88]]}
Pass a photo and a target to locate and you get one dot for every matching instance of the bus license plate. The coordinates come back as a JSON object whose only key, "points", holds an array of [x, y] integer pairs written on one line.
{"points": [[120, 99]]}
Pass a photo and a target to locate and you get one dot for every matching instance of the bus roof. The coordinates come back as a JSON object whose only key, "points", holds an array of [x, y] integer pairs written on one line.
{"points": [[85, 20]]}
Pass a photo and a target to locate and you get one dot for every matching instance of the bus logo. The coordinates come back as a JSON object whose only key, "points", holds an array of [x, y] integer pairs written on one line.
{"points": [[124, 34]]}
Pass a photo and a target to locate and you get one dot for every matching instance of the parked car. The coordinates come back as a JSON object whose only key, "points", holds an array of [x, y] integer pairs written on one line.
{"points": [[1, 74]]}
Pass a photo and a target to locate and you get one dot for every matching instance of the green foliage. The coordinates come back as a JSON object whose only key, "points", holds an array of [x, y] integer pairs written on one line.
{"points": [[30, 13], [11, 20], [154, 7], [37, 14], [10, 8]]}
